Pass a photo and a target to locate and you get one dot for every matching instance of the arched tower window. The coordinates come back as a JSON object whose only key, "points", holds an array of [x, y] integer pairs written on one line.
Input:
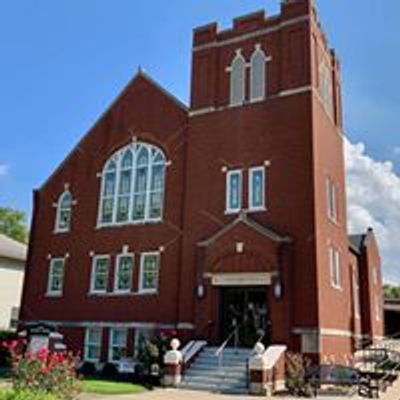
{"points": [[132, 189], [238, 74], [257, 75], [64, 211]]}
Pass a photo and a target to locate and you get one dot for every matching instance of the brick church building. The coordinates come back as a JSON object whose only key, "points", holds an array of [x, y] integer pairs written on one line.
{"points": [[229, 212]]}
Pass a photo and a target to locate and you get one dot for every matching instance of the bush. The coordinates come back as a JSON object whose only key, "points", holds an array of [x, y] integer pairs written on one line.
{"points": [[87, 369], [296, 369], [44, 372], [27, 395], [109, 371]]}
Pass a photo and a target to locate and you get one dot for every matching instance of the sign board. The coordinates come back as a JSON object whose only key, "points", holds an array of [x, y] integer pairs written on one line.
{"points": [[241, 279], [37, 343]]}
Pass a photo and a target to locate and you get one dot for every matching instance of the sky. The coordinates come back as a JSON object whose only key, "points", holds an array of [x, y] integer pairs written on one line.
{"points": [[62, 63]]}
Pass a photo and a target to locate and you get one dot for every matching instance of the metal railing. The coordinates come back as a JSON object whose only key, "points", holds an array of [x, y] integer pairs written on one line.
{"points": [[220, 352]]}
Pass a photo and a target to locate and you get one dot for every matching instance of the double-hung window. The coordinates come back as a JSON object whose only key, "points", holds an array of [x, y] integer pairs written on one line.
{"points": [[335, 267], [56, 277], [356, 295], [233, 191], [118, 344], [64, 211], [123, 273], [93, 338], [149, 271], [331, 194], [100, 271], [257, 188]]}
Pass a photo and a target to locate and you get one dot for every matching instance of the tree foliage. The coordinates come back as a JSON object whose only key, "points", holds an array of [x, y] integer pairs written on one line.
{"points": [[13, 224], [391, 292]]}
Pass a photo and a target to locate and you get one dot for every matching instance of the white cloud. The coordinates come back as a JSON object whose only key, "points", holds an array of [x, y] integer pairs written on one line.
{"points": [[373, 196], [3, 170]]}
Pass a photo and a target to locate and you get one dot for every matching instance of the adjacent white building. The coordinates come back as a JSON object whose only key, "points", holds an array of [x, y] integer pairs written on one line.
{"points": [[12, 268]]}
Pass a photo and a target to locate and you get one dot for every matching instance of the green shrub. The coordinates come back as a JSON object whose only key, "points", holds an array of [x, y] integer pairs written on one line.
{"points": [[296, 368], [27, 395], [43, 372]]}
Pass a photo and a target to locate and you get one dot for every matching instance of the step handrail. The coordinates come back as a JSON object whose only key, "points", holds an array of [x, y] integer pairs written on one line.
{"points": [[220, 351]]}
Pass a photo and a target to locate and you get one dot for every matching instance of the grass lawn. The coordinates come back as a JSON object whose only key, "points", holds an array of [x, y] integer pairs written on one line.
{"points": [[99, 386]]}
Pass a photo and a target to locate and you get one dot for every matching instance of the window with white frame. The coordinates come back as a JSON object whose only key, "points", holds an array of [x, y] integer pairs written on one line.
{"points": [[64, 212], [132, 189], [325, 88], [149, 271], [142, 337], [335, 267], [331, 194], [233, 191], [123, 273], [237, 80], [377, 308], [100, 271], [356, 295], [257, 188], [56, 276], [257, 75], [375, 275], [118, 344], [93, 338]]}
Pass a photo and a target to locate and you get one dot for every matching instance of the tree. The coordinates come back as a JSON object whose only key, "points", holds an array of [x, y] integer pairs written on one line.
{"points": [[391, 292], [13, 224]]}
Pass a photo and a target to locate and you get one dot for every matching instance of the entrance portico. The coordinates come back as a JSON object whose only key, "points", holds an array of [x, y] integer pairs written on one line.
{"points": [[243, 284]]}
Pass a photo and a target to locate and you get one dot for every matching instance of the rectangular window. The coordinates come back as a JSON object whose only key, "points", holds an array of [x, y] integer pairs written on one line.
{"points": [[377, 308], [123, 273], [100, 270], [149, 270], [93, 344], [257, 188], [56, 277], [118, 344], [356, 295], [335, 267], [233, 191], [331, 194]]}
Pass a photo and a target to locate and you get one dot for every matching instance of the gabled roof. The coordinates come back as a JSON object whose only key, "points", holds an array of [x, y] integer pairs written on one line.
{"points": [[10, 248], [139, 75], [244, 219]]}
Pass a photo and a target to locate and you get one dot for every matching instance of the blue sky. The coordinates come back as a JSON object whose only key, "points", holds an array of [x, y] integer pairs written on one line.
{"points": [[62, 63]]}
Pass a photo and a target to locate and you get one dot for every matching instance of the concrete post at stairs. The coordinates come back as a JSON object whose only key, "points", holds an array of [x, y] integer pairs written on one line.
{"points": [[173, 365], [258, 371]]}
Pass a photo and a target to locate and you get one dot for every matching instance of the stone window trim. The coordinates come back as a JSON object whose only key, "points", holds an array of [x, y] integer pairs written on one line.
{"points": [[335, 267], [251, 206], [116, 289], [90, 344], [121, 193], [114, 347], [63, 207], [52, 276], [95, 259], [228, 189], [143, 256], [331, 189]]}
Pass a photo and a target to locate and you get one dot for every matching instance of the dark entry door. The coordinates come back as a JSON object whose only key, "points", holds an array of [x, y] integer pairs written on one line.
{"points": [[247, 309]]}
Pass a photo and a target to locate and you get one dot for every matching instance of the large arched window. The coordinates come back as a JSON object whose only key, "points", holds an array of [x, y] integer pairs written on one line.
{"points": [[64, 211], [238, 74], [132, 189], [257, 75]]}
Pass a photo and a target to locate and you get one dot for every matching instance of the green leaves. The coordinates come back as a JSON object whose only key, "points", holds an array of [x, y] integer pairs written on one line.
{"points": [[13, 224]]}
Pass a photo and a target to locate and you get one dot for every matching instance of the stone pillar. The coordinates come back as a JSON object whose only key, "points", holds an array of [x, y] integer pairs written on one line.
{"points": [[258, 371], [173, 365]]}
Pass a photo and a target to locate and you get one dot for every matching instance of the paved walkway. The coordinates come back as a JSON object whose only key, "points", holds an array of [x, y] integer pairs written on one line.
{"points": [[179, 394]]}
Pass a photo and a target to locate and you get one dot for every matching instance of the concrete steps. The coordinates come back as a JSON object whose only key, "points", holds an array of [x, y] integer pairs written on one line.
{"points": [[206, 374]]}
